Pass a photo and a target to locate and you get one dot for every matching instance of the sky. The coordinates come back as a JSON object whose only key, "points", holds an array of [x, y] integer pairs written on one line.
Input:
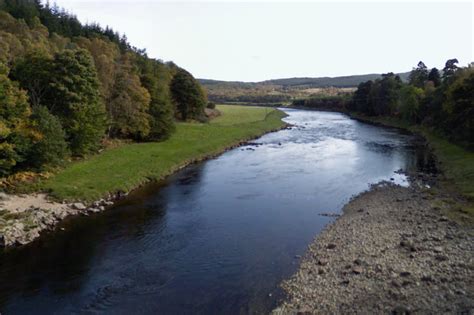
{"points": [[255, 41]]}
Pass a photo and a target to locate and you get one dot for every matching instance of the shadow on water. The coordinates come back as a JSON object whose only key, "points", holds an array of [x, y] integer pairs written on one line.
{"points": [[56, 260], [215, 238]]}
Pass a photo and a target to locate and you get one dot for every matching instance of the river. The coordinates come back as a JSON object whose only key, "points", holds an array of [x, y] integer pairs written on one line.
{"points": [[215, 238]]}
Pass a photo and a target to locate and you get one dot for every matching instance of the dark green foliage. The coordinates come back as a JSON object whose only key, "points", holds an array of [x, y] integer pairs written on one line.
{"points": [[377, 97], [449, 69], [362, 101], [51, 148], [155, 78], [446, 107], [331, 103], [419, 75], [33, 73], [384, 94], [188, 96], [74, 97], [434, 77], [459, 106]]}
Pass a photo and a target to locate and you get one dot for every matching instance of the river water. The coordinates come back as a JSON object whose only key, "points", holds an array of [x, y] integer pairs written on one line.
{"points": [[215, 238]]}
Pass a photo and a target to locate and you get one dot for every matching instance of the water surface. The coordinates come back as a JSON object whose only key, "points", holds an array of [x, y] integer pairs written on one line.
{"points": [[215, 238]]}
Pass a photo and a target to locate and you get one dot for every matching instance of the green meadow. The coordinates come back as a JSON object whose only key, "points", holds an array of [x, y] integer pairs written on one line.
{"points": [[126, 167]]}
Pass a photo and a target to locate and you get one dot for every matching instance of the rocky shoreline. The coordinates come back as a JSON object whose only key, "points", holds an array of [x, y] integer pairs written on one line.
{"points": [[393, 250], [24, 217]]}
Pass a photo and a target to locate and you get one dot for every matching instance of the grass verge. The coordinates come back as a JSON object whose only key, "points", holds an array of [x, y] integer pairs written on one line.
{"points": [[127, 167]]}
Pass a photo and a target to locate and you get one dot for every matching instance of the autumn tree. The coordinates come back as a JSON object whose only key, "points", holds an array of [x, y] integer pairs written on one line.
{"points": [[106, 57], [128, 105], [14, 114]]}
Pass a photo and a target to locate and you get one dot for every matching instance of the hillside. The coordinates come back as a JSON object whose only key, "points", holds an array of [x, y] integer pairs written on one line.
{"points": [[284, 90]]}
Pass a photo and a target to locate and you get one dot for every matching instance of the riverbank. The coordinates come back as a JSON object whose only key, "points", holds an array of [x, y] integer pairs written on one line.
{"points": [[93, 184], [455, 163], [393, 250]]}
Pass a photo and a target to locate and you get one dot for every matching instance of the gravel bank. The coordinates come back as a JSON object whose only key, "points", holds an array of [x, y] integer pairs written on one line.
{"points": [[392, 251], [24, 217]]}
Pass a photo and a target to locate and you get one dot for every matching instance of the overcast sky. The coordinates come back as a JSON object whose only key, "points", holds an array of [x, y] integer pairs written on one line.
{"points": [[253, 41]]}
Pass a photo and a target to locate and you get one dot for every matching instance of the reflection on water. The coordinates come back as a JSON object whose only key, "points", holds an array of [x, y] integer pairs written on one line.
{"points": [[217, 237]]}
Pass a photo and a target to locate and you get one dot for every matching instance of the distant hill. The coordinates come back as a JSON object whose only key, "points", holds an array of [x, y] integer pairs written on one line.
{"points": [[284, 90], [321, 82]]}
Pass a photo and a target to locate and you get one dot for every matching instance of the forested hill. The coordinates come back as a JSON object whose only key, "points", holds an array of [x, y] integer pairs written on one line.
{"points": [[321, 82], [67, 89]]}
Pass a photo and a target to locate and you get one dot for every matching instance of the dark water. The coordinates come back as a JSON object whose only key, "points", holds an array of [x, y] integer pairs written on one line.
{"points": [[217, 237]]}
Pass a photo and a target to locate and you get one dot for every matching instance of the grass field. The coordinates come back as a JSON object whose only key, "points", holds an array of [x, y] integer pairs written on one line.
{"points": [[234, 114], [126, 167]]}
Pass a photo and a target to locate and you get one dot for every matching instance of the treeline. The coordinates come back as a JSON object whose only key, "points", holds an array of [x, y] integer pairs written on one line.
{"points": [[256, 99], [442, 100], [331, 103], [66, 87], [322, 82]]}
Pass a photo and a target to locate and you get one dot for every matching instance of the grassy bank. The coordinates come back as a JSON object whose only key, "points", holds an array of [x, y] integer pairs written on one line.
{"points": [[126, 167], [456, 163]]}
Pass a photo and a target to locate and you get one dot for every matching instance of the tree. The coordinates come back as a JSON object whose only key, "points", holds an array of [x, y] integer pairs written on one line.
{"points": [[33, 72], [129, 104], [74, 97], [188, 96], [384, 94], [155, 78], [434, 77], [14, 114], [361, 101], [106, 57], [459, 107], [410, 103], [449, 69], [419, 75], [51, 147]]}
